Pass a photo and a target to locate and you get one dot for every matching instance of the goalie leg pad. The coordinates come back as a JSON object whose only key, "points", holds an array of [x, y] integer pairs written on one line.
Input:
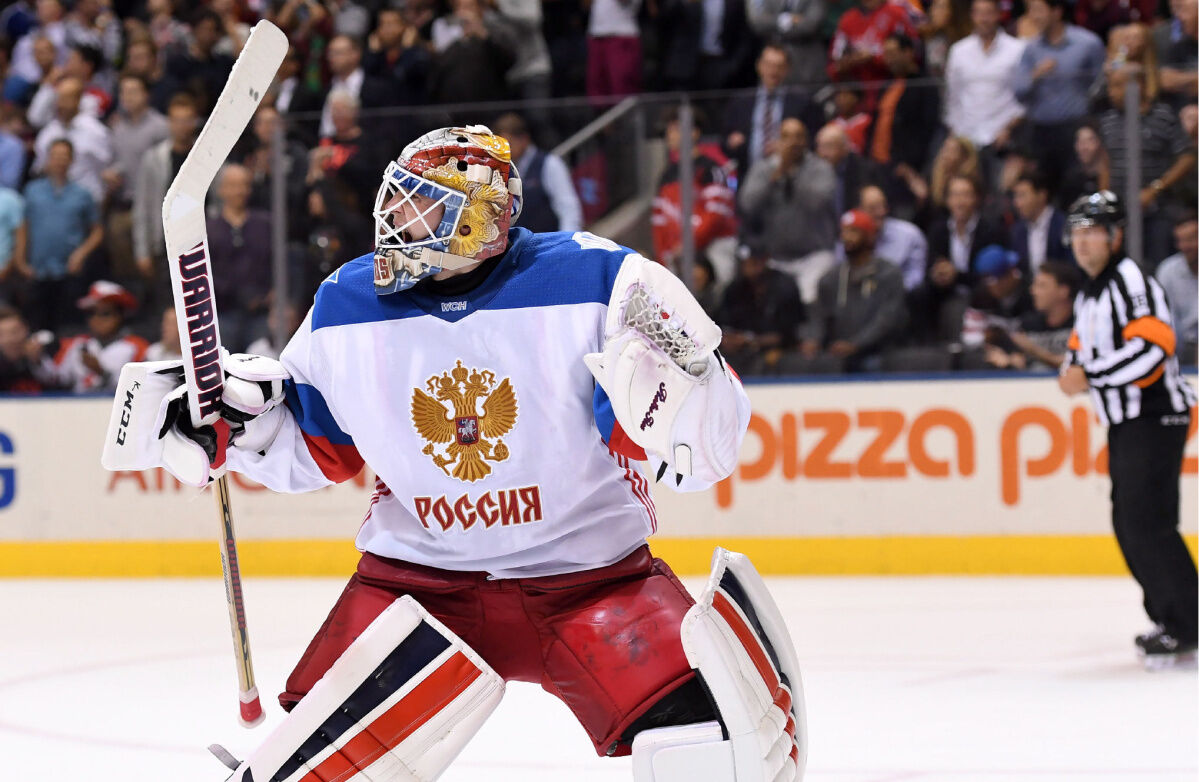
{"points": [[735, 637], [397, 706], [683, 753]]}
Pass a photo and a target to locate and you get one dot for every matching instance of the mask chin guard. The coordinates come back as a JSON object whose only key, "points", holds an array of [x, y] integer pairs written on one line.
{"points": [[399, 268]]}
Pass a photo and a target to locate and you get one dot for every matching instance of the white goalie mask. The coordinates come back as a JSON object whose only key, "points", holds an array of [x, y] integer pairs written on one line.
{"points": [[445, 203]]}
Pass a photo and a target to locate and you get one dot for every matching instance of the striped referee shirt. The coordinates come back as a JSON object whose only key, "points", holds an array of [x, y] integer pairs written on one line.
{"points": [[1124, 341]]}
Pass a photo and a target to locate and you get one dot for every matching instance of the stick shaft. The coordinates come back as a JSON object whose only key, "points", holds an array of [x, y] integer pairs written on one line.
{"points": [[250, 708], [233, 594], [185, 232]]}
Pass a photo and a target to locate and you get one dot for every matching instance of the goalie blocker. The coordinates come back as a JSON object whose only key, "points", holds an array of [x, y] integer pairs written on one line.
{"points": [[150, 425]]}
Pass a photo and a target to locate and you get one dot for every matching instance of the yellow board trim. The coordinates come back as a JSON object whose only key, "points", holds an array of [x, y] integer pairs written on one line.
{"points": [[930, 555]]}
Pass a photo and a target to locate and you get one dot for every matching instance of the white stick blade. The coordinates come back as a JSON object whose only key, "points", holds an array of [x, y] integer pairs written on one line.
{"points": [[183, 218]]}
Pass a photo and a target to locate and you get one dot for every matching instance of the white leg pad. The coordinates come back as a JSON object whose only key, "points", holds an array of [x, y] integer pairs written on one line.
{"points": [[397, 706], [735, 637], [685, 753]]}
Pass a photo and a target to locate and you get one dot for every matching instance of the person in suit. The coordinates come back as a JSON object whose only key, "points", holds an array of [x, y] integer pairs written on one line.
{"points": [[292, 97], [937, 305], [702, 50], [752, 122], [797, 25], [344, 56], [1037, 234], [550, 202], [907, 101], [966, 230]]}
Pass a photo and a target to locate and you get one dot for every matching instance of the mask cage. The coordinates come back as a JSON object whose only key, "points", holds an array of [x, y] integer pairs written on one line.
{"points": [[407, 185]]}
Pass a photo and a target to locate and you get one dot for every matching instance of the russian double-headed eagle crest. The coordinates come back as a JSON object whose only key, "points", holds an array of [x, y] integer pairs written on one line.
{"points": [[467, 431]]}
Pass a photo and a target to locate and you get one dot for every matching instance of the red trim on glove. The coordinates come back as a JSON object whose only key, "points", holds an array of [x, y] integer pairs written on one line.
{"points": [[222, 443]]}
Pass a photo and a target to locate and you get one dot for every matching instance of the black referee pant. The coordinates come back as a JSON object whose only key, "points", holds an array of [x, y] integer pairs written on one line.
{"points": [[1145, 461]]}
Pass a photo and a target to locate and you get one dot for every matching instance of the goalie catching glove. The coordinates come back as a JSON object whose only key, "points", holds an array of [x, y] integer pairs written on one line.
{"points": [[151, 425], [671, 392]]}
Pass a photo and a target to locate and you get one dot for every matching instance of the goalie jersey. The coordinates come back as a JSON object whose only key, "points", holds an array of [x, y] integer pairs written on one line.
{"points": [[494, 448]]}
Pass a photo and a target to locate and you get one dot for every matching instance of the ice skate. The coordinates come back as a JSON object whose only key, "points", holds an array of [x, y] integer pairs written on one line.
{"points": [[1159, 651], [1144, 637]]}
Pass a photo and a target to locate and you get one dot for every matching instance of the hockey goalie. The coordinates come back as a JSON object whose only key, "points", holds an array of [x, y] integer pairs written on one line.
{"points": [[505, 387]]}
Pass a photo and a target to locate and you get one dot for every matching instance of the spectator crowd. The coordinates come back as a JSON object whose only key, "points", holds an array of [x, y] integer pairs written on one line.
{"points": [[879, 185], [912, 198]]}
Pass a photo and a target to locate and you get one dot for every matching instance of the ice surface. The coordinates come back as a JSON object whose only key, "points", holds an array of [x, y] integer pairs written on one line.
{"points": [[928, 679]]}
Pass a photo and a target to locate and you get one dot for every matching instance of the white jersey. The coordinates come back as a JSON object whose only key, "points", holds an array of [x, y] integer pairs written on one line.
{"points": [[67, 369], [487, 432]]}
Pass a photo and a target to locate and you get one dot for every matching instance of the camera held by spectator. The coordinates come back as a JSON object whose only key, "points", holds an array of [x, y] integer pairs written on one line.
{"points": [[93, 361], [1040, 341], [999, 298]]}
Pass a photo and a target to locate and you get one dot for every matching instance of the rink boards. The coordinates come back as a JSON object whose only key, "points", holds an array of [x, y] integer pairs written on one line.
{"points": [[986, 474]]}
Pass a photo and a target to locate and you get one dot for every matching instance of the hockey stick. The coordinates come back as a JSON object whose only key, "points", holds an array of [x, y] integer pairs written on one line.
{"points": [[195, 306]]}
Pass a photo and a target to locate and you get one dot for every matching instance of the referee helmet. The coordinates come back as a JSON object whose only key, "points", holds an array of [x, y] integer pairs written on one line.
{"points": [[1100, 208]]}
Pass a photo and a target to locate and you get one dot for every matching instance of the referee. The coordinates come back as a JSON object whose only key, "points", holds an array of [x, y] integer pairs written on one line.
{"points": [[1122, 351]]}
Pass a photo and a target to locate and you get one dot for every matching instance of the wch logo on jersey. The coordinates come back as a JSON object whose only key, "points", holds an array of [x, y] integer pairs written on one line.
{"points": [[463, 433]]}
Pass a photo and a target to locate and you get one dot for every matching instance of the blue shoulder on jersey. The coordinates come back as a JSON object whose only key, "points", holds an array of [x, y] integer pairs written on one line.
{"points": [[538, 270], [558, 268], [311, 412], [348, 296]]}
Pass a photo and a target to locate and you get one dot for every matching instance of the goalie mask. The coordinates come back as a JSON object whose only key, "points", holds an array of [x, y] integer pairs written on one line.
{"points": [[446, 203]]}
